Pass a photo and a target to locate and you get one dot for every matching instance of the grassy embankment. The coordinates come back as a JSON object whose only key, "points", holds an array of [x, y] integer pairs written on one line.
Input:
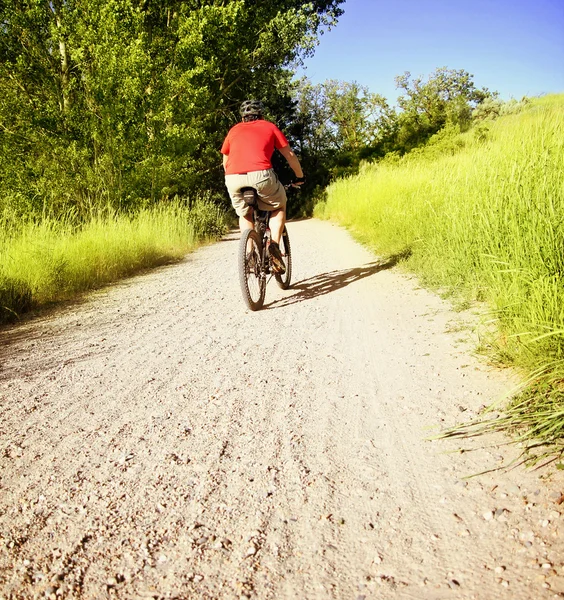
{"points": [[483, 216], [50, 260]]}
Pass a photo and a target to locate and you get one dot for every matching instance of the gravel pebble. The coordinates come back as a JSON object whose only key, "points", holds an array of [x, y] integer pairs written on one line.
{"points": [[273, 419]]}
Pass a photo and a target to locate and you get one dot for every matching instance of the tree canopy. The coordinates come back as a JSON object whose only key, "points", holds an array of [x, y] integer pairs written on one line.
{"points": [[338, 124], [126, 101]]}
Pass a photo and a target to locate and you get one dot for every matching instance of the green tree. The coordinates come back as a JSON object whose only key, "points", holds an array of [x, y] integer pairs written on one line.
{"points": [[126, 101], [338, 124], [448, 96]]}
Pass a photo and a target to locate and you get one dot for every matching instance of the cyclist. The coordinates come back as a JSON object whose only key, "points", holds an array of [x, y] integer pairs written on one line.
{"points": [[247, 152]]}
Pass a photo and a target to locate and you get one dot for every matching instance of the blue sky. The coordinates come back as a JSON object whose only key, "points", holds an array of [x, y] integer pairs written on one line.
{"points": [[515, 47]]}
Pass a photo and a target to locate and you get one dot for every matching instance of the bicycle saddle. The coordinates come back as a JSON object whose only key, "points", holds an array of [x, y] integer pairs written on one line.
{"points": [[249, 195]]}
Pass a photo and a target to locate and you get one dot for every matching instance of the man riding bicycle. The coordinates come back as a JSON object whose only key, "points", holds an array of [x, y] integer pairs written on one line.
{"points": [[247, 153]]}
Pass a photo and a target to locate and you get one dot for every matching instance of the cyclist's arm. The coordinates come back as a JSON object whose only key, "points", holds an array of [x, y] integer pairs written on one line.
{"points": [[224, 161], [293, 160]]}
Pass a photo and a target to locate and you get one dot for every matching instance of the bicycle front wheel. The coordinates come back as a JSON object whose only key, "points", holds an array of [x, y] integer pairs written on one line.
{"points": [[251, 277], [283, 280]]}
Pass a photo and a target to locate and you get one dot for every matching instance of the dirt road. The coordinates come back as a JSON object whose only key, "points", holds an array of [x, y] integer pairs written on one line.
{"points": [[159, 441]]}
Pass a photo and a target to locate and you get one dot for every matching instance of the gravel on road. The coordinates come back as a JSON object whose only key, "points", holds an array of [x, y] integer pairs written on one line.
{"points": [[158, 440]]}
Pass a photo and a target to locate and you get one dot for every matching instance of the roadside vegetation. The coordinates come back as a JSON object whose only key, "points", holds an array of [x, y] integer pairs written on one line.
{"points": [[481, 216], [55, 259]]}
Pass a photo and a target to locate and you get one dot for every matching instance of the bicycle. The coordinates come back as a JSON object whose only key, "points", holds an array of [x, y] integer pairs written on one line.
{"points": [[253, 257]]}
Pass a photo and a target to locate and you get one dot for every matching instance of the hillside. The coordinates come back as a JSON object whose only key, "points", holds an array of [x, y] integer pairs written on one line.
{"points": [[481, 215]]}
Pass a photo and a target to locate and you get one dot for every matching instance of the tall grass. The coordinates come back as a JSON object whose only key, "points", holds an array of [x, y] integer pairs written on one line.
{"points": [[55, 259], [483, 216]]}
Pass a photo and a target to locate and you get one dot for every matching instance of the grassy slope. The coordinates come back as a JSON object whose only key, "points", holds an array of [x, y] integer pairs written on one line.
{"points": [[483, 214], [54, 260]]}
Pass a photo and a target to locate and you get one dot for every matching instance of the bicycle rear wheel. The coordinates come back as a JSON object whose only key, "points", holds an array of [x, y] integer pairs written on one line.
{"points": [[251, 277], [283, 280]]}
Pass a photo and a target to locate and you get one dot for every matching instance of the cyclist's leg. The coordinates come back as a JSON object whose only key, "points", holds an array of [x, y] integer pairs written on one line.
{"points": [[234, 183], [272, 197], [246, 221], [277, 222]]}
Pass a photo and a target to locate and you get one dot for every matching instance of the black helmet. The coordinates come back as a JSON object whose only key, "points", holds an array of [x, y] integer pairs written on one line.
{"points": [[251, 108]]}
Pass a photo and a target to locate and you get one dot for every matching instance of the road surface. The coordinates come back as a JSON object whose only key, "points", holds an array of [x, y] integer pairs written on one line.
{"points": [[160, 441]]}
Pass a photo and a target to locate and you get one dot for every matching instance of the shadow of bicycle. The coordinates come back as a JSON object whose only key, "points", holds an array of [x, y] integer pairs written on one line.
{"points": [[326, 283]]}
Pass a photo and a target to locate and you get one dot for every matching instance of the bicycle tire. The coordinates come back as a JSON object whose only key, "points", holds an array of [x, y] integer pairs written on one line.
{"points": [[283, 280], [251, 277]]}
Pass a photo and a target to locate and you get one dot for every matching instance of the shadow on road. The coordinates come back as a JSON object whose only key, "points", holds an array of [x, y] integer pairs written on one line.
{"points": [[325, 283]]}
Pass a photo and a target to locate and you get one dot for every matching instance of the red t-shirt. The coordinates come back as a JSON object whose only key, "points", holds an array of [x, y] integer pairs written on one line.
{"points": [[249, 146]]}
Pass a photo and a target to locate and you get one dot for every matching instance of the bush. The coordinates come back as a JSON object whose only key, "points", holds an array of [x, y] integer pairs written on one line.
{"points": [[50, 260], [15, 298]]}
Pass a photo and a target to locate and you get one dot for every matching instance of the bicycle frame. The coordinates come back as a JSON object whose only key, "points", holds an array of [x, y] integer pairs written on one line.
{"points": [[255, 265], [261, 220]]}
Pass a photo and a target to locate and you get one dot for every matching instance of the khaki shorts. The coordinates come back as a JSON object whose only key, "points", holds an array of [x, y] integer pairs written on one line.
{"points": [[272, 195]]}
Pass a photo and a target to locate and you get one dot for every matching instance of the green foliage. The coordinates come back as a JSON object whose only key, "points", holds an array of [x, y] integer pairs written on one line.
{"points": [[207, 218], [15, 298], [446, 141], [52, 260], [123, 102], [341, 115], [482, 216], [338, 125], [447, 97], [492, 108]]}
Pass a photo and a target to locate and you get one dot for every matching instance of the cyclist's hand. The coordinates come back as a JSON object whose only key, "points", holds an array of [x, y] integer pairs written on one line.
{"points": [[298, 181]]}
